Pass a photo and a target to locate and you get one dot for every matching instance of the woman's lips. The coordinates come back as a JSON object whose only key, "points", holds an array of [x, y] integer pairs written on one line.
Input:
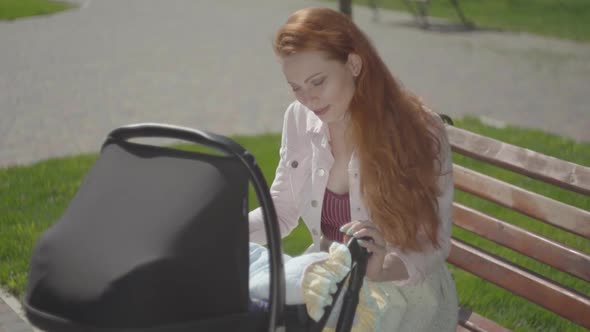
{"points": [[321, 111]]}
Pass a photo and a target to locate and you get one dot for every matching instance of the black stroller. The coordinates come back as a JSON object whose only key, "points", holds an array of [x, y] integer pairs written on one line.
{"points": [[156, 239]]}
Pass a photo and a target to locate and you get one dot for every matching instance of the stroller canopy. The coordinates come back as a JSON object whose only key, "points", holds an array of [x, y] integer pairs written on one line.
{"points": [[129, 250]]}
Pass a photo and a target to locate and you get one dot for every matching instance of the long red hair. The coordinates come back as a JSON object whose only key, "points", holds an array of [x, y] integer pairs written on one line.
{"points": [[396, 140]]}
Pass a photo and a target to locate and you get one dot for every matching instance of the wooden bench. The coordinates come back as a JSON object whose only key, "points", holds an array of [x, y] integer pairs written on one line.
{"points": [[536, 288]]}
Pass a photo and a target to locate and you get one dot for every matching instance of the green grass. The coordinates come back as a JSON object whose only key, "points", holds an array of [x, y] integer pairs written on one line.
{"points": [[33, 197], [568, 19], [13, 9]]}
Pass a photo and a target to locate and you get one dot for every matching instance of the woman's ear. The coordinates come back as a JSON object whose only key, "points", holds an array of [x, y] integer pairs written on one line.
{"points": [[355, 64]]}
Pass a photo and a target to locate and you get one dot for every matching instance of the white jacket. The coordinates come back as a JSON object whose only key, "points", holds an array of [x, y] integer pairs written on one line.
{"points": [[300, 182]]}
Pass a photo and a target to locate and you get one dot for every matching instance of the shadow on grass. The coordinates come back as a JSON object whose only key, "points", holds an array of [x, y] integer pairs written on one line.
{"points": [[438, 25]]}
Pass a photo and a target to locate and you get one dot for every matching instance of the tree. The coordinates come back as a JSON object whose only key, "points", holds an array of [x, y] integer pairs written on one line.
{"points": [[346, 7]]}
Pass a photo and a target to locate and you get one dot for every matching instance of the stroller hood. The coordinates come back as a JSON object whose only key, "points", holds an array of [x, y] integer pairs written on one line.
{"points": [[153, 236]]}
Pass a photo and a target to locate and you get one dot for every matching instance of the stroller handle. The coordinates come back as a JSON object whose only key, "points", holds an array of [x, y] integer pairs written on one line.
{"points": [[233, 149], [350, 300]]}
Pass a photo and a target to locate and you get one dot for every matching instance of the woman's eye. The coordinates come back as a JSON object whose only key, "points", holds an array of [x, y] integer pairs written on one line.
{"points": [[295, 89], [318, 82]]}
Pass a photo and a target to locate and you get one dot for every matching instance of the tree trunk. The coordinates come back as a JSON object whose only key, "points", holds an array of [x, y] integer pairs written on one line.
{"points": [[346, 7]]}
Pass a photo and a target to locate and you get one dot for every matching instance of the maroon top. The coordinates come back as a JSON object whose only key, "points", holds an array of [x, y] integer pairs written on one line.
{"points": [[335, 213]]}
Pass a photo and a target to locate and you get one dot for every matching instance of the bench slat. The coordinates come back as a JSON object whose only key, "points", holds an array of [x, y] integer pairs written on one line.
{"points": [[530, 244], [553, 212], [472, 321], [530, 163], [535, 288]]}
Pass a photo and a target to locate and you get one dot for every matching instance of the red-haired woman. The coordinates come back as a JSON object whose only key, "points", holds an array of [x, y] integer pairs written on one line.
{"points": [[362, 157]]}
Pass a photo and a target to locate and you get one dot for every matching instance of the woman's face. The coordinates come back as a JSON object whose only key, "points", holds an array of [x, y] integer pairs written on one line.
{"points": [[324, 86]]}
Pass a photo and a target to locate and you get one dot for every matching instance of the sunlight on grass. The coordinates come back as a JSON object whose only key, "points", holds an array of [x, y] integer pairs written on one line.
{"points": [[14, 9]]}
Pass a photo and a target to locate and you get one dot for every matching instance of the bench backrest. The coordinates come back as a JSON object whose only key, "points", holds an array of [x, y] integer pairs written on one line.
{"points": [[538, 289]]}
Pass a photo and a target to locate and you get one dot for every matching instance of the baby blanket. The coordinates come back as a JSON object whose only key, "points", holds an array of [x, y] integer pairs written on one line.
{"points": [[311, 279]]}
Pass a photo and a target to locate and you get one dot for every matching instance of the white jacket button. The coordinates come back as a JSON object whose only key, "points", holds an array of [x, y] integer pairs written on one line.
{"points": [[294, 164], [314, 232], [314, 203], [321, 172]]}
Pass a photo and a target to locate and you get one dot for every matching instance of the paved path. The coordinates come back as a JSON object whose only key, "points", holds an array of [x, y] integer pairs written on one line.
{"points": [[67, 79], [11, 315]]}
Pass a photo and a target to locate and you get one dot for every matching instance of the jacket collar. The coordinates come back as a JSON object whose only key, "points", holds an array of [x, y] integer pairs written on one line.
{"points": [[319, 130], [315, 125]]}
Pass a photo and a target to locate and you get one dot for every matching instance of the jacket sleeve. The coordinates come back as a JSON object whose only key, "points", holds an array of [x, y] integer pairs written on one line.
{"points": [[281, 190], [421, 264]]}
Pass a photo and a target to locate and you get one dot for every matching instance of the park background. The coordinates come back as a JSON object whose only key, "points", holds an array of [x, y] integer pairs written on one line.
{"points": [[71, 72]]}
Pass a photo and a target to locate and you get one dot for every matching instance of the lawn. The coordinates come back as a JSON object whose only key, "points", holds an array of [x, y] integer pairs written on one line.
{"points": [[568, 19], [13, 9], [34, 196]]}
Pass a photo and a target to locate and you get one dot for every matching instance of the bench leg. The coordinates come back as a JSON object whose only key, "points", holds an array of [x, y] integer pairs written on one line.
{"points": [[460, 13], [423, 12], [419, 10], [373, 5]]}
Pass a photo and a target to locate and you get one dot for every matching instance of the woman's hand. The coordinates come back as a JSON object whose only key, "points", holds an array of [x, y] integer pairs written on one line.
{"points": [[375, 245]]}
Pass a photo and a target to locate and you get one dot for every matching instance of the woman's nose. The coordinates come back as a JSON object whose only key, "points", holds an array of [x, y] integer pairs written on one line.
{"points": [[311, 98], [305, 97]]}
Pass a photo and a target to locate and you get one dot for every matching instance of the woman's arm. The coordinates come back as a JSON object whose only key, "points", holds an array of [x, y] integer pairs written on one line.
{"points": [[280, 191]]}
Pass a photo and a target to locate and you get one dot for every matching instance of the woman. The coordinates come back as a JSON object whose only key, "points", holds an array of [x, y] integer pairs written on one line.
{"points": [[362, 157]]}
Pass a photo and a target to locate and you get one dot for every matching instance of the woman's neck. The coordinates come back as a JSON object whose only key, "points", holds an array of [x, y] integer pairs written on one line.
{"points": [[338, 128], [340, 138]]}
